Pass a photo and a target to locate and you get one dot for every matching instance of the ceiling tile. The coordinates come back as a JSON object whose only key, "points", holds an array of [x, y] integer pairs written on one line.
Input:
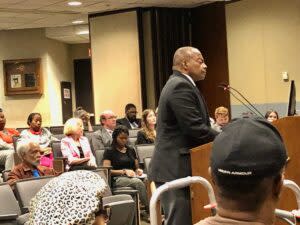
{"points": [[22, 14]]}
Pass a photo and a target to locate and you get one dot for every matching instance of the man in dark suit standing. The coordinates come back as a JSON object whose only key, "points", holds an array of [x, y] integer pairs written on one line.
{"points": [[183, 123], [130, 120]]}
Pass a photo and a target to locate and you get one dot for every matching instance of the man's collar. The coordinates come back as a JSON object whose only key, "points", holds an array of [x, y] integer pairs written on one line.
{"points": [[26, 167], [190, 79], [109, 130]]}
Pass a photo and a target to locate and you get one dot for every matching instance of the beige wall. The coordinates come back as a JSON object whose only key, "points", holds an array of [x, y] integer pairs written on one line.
{"points": [[263, 41], [115, 62], [79, 51], [56, 67]]}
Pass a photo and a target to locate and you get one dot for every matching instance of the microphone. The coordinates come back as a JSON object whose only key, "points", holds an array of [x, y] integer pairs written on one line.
{"points": [[223, 86], [226, 87]]}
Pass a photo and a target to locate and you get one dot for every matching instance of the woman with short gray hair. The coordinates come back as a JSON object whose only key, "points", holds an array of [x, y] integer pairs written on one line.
{"points": [[76, 147]]}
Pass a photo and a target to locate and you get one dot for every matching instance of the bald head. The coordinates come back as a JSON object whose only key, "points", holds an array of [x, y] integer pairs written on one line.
{"points": [[189, 60], [183, 54]]}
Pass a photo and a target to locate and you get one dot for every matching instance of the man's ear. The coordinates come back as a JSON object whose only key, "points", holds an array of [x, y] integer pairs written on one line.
{"points": [[184, 65]]}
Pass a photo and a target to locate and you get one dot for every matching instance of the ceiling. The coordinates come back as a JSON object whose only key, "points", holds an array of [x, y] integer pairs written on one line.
{"points": [[58, 15]]}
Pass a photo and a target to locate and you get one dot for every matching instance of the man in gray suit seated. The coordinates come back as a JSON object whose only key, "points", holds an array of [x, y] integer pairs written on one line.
{"points": [[102, 138]]}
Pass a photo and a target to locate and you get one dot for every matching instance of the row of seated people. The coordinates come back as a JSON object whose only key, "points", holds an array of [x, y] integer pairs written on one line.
{"points": [[44, 137], [76, 148], [122, 159], [222, 117]]}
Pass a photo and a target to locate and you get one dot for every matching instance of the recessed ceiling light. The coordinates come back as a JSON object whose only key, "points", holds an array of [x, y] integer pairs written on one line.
{"points": [[83, 32], [74, 3], [78, 21]]}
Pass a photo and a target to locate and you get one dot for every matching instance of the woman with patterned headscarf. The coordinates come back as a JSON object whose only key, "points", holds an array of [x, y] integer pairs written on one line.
{"points": [[72, 198]]}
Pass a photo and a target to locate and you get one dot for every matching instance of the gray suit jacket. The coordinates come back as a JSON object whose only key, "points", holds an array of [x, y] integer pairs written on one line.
{"points": [[101, 139], [183, 123]]}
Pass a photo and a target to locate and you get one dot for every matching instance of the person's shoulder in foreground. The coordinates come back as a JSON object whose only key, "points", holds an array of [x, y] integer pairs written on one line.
{"points": [[247, 165]]}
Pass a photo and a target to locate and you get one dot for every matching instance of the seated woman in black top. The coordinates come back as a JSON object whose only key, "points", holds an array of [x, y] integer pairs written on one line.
{"points": [[125, 166], [147, 134]]}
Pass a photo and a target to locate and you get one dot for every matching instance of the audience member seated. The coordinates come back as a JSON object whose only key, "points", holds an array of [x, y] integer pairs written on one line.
{"points": [[40, 135], [271, 115], [125, 167], [147, 134], [76, 147], [102, 138], [29, 153], [6, 143], [222, 118], [85, 117], [72, 198], [247, 168], [130, 120]]}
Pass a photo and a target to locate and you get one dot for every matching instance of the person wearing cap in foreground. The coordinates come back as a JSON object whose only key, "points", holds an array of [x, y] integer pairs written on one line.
{"points": [[247, 168], [72, 198]]}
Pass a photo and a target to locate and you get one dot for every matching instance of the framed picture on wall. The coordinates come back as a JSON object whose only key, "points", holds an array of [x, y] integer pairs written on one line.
{"points": [[22, 77]]}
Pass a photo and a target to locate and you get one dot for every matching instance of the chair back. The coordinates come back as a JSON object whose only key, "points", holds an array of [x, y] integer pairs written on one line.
{"points": [[131, 141], [5, 175], [9, 207], [122, 209], [26, 189], [147, 164], [15, 141], [56, 149], [124, 204], [89, 135], [133, 132], [105, 175], [145, 151], [99, 156], [57, 129], [59, 136]]}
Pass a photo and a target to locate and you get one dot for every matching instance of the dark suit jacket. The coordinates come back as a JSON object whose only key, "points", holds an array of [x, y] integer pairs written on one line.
{"points": [[125, 122], [183, 123]]}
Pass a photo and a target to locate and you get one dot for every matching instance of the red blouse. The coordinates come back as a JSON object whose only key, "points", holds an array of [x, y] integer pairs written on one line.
{"points": [[7, 133]]}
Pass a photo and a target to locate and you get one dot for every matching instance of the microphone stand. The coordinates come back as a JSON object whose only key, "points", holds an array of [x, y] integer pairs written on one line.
{"points": [[226, 87], [247, 101]]}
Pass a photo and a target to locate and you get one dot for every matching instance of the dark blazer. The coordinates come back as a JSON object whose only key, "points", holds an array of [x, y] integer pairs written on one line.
{"points": [[183, 123], [125, 122]]}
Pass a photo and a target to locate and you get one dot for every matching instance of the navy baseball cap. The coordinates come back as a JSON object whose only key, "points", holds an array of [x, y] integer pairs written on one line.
{"points": [[248, 147]]}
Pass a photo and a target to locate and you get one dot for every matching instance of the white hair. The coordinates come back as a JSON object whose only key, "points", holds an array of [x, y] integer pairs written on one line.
{"points": [[104, 113], [72, 125], [24, 145]]}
